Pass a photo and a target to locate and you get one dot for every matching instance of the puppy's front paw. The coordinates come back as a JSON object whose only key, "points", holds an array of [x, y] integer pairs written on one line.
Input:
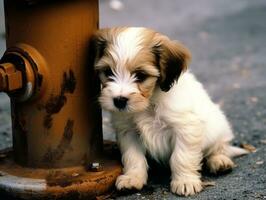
{"points": [[185, 186], [130, 182]]}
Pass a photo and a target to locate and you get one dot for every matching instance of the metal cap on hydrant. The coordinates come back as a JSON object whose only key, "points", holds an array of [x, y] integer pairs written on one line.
{"points": [[58, 148]]}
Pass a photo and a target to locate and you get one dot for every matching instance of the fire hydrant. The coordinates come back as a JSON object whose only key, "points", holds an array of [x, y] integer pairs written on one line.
{"points": [[58, 147]]}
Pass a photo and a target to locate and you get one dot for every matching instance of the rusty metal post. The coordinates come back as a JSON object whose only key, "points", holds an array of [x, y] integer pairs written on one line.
{"points": [[56, 120], [53, 129]]}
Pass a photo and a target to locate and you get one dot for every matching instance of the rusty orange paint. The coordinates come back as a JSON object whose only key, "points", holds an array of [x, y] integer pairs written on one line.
{"points": [[60, 125]]}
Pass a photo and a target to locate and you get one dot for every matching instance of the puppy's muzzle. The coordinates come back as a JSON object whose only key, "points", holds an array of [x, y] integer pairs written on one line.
{"points": [[120, 102]]}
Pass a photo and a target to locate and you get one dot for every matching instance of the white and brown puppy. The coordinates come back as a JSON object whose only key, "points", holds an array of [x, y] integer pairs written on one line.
{"points": [[159, 109]]}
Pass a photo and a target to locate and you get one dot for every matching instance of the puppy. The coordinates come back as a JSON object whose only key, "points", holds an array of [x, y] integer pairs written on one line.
{"points": [[159, 108]]}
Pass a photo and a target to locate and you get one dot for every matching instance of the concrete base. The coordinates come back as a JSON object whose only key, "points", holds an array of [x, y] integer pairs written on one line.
{"points": [[75, 182]]}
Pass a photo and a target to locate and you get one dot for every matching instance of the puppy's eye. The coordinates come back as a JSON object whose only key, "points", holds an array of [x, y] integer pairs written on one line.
{"points": [[141, 76], [108, 72]]}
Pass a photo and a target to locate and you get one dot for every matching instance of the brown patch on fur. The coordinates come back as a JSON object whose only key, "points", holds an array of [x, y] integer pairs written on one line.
{"points": [[172, 57], [146, 94], [139, 101], [101, 40], [146, 88], [143, 62], [144, 57]]}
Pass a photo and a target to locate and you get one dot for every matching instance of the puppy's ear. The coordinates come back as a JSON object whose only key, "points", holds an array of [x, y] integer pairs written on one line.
{"points": [[172, 58], [97, 47]]}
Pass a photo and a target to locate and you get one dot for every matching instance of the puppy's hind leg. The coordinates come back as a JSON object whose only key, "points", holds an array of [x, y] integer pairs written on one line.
{"points": [[134, 163], [220, 159], [218, 163]]}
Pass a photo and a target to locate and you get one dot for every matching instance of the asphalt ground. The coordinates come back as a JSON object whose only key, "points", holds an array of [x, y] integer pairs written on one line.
{"points": [[228, 44]]}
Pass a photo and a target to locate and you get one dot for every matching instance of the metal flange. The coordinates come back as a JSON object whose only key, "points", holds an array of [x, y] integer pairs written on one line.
{"points": [[75, 182], [22, 69]]}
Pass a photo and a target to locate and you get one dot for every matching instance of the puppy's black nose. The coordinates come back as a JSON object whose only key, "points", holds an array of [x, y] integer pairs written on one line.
{"points": [[120, 102]]}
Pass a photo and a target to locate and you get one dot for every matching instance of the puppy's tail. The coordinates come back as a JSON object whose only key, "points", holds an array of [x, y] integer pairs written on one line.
{"points": [[233, 151]]}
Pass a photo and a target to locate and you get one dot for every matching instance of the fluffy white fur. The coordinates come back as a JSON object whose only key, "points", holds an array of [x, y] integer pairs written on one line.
{"points": [[179, 127]]}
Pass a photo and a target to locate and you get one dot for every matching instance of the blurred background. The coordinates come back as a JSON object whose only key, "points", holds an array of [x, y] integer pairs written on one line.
{"points": [[228, 44]]}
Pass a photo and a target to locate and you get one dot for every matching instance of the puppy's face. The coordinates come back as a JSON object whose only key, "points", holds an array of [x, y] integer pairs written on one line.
{"points": [[132, 62]]}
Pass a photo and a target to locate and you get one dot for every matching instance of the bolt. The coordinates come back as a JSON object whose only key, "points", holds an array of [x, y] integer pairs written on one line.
{"points": [[95, 167], [2, 80], [10, 78]]}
